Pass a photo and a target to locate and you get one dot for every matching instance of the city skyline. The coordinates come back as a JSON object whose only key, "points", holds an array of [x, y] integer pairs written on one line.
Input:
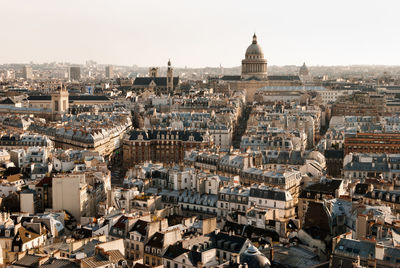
{"points": [[195, 35]]}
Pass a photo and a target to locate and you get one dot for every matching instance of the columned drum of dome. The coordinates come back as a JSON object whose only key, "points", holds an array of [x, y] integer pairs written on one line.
{"points": [[254, 66]]}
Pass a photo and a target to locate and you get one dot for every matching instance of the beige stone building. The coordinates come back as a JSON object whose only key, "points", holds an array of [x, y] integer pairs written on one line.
{"points": [[254, 73], [70, 194]]}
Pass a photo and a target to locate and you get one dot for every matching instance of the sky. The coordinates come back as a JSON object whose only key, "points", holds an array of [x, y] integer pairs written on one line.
{"points": [[200, 33]]}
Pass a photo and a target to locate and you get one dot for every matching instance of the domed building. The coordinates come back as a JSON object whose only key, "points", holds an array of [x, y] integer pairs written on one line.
{"points": [[254, 66], [303, 70], [254, 258], [254, 73]]}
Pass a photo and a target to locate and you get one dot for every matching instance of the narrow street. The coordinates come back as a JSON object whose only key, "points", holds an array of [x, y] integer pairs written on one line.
{"points": [[241, 126]]}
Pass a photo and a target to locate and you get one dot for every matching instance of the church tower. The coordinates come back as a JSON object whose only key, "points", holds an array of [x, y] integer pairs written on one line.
{"points": [[153, 72], [170, 78], [60, 101]]}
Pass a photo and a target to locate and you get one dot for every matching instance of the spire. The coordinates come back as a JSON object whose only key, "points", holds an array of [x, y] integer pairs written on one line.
{"points": [[254, 38], [169, 62]]}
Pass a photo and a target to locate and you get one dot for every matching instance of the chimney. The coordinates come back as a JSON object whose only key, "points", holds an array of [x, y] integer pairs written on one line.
{"points": [[271, 254]]}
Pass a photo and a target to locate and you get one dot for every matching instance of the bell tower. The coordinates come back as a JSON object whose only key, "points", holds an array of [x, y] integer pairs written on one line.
{"points": [[60, 101], [170, 78]]}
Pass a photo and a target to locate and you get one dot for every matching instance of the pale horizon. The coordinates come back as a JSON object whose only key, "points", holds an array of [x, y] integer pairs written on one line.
{"points": [[200, 34]]}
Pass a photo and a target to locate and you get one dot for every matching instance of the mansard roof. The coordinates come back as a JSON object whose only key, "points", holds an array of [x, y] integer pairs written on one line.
{"points": [[159, 81]]}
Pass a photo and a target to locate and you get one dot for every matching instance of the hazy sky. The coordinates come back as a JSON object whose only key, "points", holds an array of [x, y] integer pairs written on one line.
{"points": [[200, 33]]}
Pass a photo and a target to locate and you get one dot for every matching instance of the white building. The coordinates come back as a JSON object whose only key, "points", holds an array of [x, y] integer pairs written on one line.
{"points": [[221, 135], [279, 201]]}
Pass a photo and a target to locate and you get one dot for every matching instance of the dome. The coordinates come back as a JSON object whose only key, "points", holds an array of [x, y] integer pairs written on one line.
{"points": [[254, 66], [254, 48], [254, 258], [303, 69]]}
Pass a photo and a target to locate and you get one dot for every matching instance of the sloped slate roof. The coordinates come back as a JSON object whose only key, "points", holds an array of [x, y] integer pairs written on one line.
{"points": [[40, 98], [268, 194], [71, 98], [152, 134], [231, 78], [7, 101], [159, 81], [88, 98], [284, 77]]}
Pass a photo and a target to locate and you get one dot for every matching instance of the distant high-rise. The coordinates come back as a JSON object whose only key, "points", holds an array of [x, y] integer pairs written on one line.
{"points": [[109, 71], [27, 72], [74, 73]]}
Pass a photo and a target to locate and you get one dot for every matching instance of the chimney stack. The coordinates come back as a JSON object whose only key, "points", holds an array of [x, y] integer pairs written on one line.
{"points": [[271, 254]]}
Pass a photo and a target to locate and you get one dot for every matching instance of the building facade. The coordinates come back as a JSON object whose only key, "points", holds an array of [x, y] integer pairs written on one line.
{"points": [[373, 143], [167, 146]]}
